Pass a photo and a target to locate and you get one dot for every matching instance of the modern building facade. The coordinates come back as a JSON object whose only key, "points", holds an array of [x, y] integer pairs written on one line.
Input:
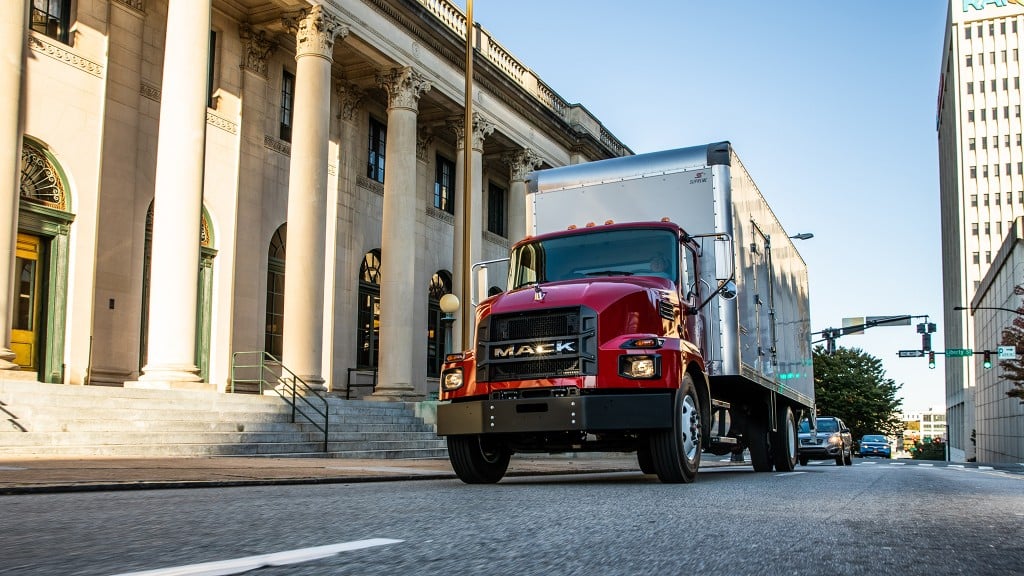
{"points": [[923, 427], [999, 419], [190, 180], [981, 164]]}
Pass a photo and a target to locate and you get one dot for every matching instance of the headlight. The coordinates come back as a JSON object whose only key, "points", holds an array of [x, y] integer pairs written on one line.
{"points": [[835, 439], [451, 380], [639, 366]]}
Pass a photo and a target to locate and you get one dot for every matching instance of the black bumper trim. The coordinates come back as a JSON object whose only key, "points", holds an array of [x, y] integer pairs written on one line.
{"points": [[574, 413]]}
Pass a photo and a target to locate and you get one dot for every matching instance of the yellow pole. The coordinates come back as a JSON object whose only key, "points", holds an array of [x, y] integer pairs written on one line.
{"points": [[467, 186]]}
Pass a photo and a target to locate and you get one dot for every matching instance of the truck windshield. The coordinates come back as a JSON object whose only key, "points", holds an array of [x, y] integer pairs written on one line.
{"points": [[621, 252]]}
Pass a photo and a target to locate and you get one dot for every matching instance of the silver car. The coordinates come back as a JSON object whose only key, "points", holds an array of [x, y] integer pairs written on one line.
{"points": [[831, 440]]}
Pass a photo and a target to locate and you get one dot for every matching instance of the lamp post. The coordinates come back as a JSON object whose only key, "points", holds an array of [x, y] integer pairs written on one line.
{"points": [[449, 304]]}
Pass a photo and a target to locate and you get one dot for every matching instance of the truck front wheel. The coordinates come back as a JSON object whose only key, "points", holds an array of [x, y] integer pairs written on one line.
{"points": [[676, 452], [476, 460]]}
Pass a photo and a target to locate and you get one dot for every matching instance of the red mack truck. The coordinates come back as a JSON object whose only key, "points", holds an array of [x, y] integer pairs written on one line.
{"points": [[657, 306]]}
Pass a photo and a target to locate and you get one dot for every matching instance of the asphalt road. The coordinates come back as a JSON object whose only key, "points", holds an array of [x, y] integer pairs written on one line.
{"points": [[876, 517]]}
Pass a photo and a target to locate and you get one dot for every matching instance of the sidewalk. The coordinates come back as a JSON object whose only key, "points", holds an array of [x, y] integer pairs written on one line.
{"points": [[47, 475]]}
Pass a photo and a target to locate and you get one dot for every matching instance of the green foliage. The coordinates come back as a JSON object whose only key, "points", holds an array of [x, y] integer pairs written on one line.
{"points": [[851, 385], [929, 451]]}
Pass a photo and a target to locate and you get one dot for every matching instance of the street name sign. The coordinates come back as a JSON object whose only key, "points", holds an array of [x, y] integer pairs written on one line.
{"points": [[911, 353], [957, 352]]}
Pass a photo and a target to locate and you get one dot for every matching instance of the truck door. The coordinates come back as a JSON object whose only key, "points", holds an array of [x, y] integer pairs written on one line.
{"points": [[764, 306]]}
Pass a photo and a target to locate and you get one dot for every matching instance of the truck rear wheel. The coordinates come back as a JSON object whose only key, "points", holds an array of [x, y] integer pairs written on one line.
{"points": [[476, 460], [676, 452], [784, 441]]}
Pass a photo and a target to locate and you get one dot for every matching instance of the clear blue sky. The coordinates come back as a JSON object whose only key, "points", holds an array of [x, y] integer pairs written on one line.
{"points": [[830, 105]]}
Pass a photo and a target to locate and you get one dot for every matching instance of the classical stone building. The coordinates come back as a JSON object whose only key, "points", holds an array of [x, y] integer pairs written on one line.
{"points": [[188, 180]]}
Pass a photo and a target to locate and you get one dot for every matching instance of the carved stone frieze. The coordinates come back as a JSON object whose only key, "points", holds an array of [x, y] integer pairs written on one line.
{"points": [[404, 87], [63, 53], [136, 5], [256, 48], [221, 123], [315, 31], [149, 91], [280, 146]]}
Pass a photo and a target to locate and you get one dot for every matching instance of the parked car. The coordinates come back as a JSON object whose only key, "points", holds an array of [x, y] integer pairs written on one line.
{"points": [[874, 445], [831, 439]]}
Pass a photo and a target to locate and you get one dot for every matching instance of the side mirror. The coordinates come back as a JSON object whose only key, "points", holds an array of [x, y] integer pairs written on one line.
{"points": [[726, 289]]}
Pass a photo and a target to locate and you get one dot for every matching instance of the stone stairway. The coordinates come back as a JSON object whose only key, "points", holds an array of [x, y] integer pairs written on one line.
{"points": [[57, 420]]}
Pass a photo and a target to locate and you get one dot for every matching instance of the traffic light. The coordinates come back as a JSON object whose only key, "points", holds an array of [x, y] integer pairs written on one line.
{"points": [[987, 363], [931, 359]]}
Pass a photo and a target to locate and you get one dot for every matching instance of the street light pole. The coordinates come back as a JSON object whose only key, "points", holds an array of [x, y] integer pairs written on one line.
{"points": [[971, 310], [467, 185]]}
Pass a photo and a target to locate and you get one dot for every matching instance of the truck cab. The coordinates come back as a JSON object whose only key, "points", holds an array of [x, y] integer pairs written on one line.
{"points": [[586, 350]]}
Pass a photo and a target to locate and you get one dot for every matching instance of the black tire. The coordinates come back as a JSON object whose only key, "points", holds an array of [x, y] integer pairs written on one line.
{"points": [[848, 460], [477, 461], [785, 441], [839, 459], [676, 451], [757, 442], [803, 460], [644, 457]]}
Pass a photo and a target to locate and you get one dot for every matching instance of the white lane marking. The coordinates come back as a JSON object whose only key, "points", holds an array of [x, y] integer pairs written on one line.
{"points": [[961, 466], [985, 468], [239, 565], [793, 473], [12, 468], [923, 464]]}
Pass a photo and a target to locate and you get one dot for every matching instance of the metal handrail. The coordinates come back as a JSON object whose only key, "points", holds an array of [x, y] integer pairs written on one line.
{"points": [[349, 385], [282, 377]]}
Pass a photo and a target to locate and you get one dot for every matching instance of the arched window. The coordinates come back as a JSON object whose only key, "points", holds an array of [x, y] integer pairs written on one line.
{"points": [[274, 332], [437, 327], [368, 319]]}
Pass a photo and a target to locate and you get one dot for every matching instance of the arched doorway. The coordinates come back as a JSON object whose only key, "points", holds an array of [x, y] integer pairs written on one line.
{"points": [[273, 341], [41, 261], [368, 316], [204, 293], [437, 327]]}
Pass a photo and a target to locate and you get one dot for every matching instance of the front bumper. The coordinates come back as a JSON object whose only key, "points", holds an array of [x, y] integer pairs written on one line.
{"points": [[823, 450], [875, 451], [550, 414]]}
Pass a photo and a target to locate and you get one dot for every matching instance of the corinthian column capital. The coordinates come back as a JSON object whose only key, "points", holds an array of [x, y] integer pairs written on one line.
{"points": [[404, 87], [351, 99], [521, 163], [482, 128], [315, 30], [256, 47]]}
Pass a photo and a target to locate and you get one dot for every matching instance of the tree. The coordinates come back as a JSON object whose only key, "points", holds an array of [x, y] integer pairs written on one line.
{"points": [[1013, 335], [851, 384]]}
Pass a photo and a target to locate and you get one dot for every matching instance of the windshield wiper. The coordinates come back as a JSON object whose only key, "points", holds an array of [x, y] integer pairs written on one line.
{"points": [[609, 273]]}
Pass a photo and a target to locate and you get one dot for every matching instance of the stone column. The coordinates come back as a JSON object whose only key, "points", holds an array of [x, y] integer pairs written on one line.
{"points": [[482, 128], [13, 30], [315, 30], [520, 163], [247, 327], [398, 287], [177, 206]]}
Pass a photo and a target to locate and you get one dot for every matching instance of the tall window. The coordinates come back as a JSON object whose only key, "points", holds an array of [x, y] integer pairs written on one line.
{"points": [[368, 321], [437, 326], [375, 156], [273, 335], [444, 185], [496, 209], [211, 67], [52, 18], [287, 104]]}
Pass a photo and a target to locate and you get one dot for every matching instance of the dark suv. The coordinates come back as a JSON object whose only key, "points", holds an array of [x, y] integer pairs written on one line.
{"points": [[831, 440]]}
